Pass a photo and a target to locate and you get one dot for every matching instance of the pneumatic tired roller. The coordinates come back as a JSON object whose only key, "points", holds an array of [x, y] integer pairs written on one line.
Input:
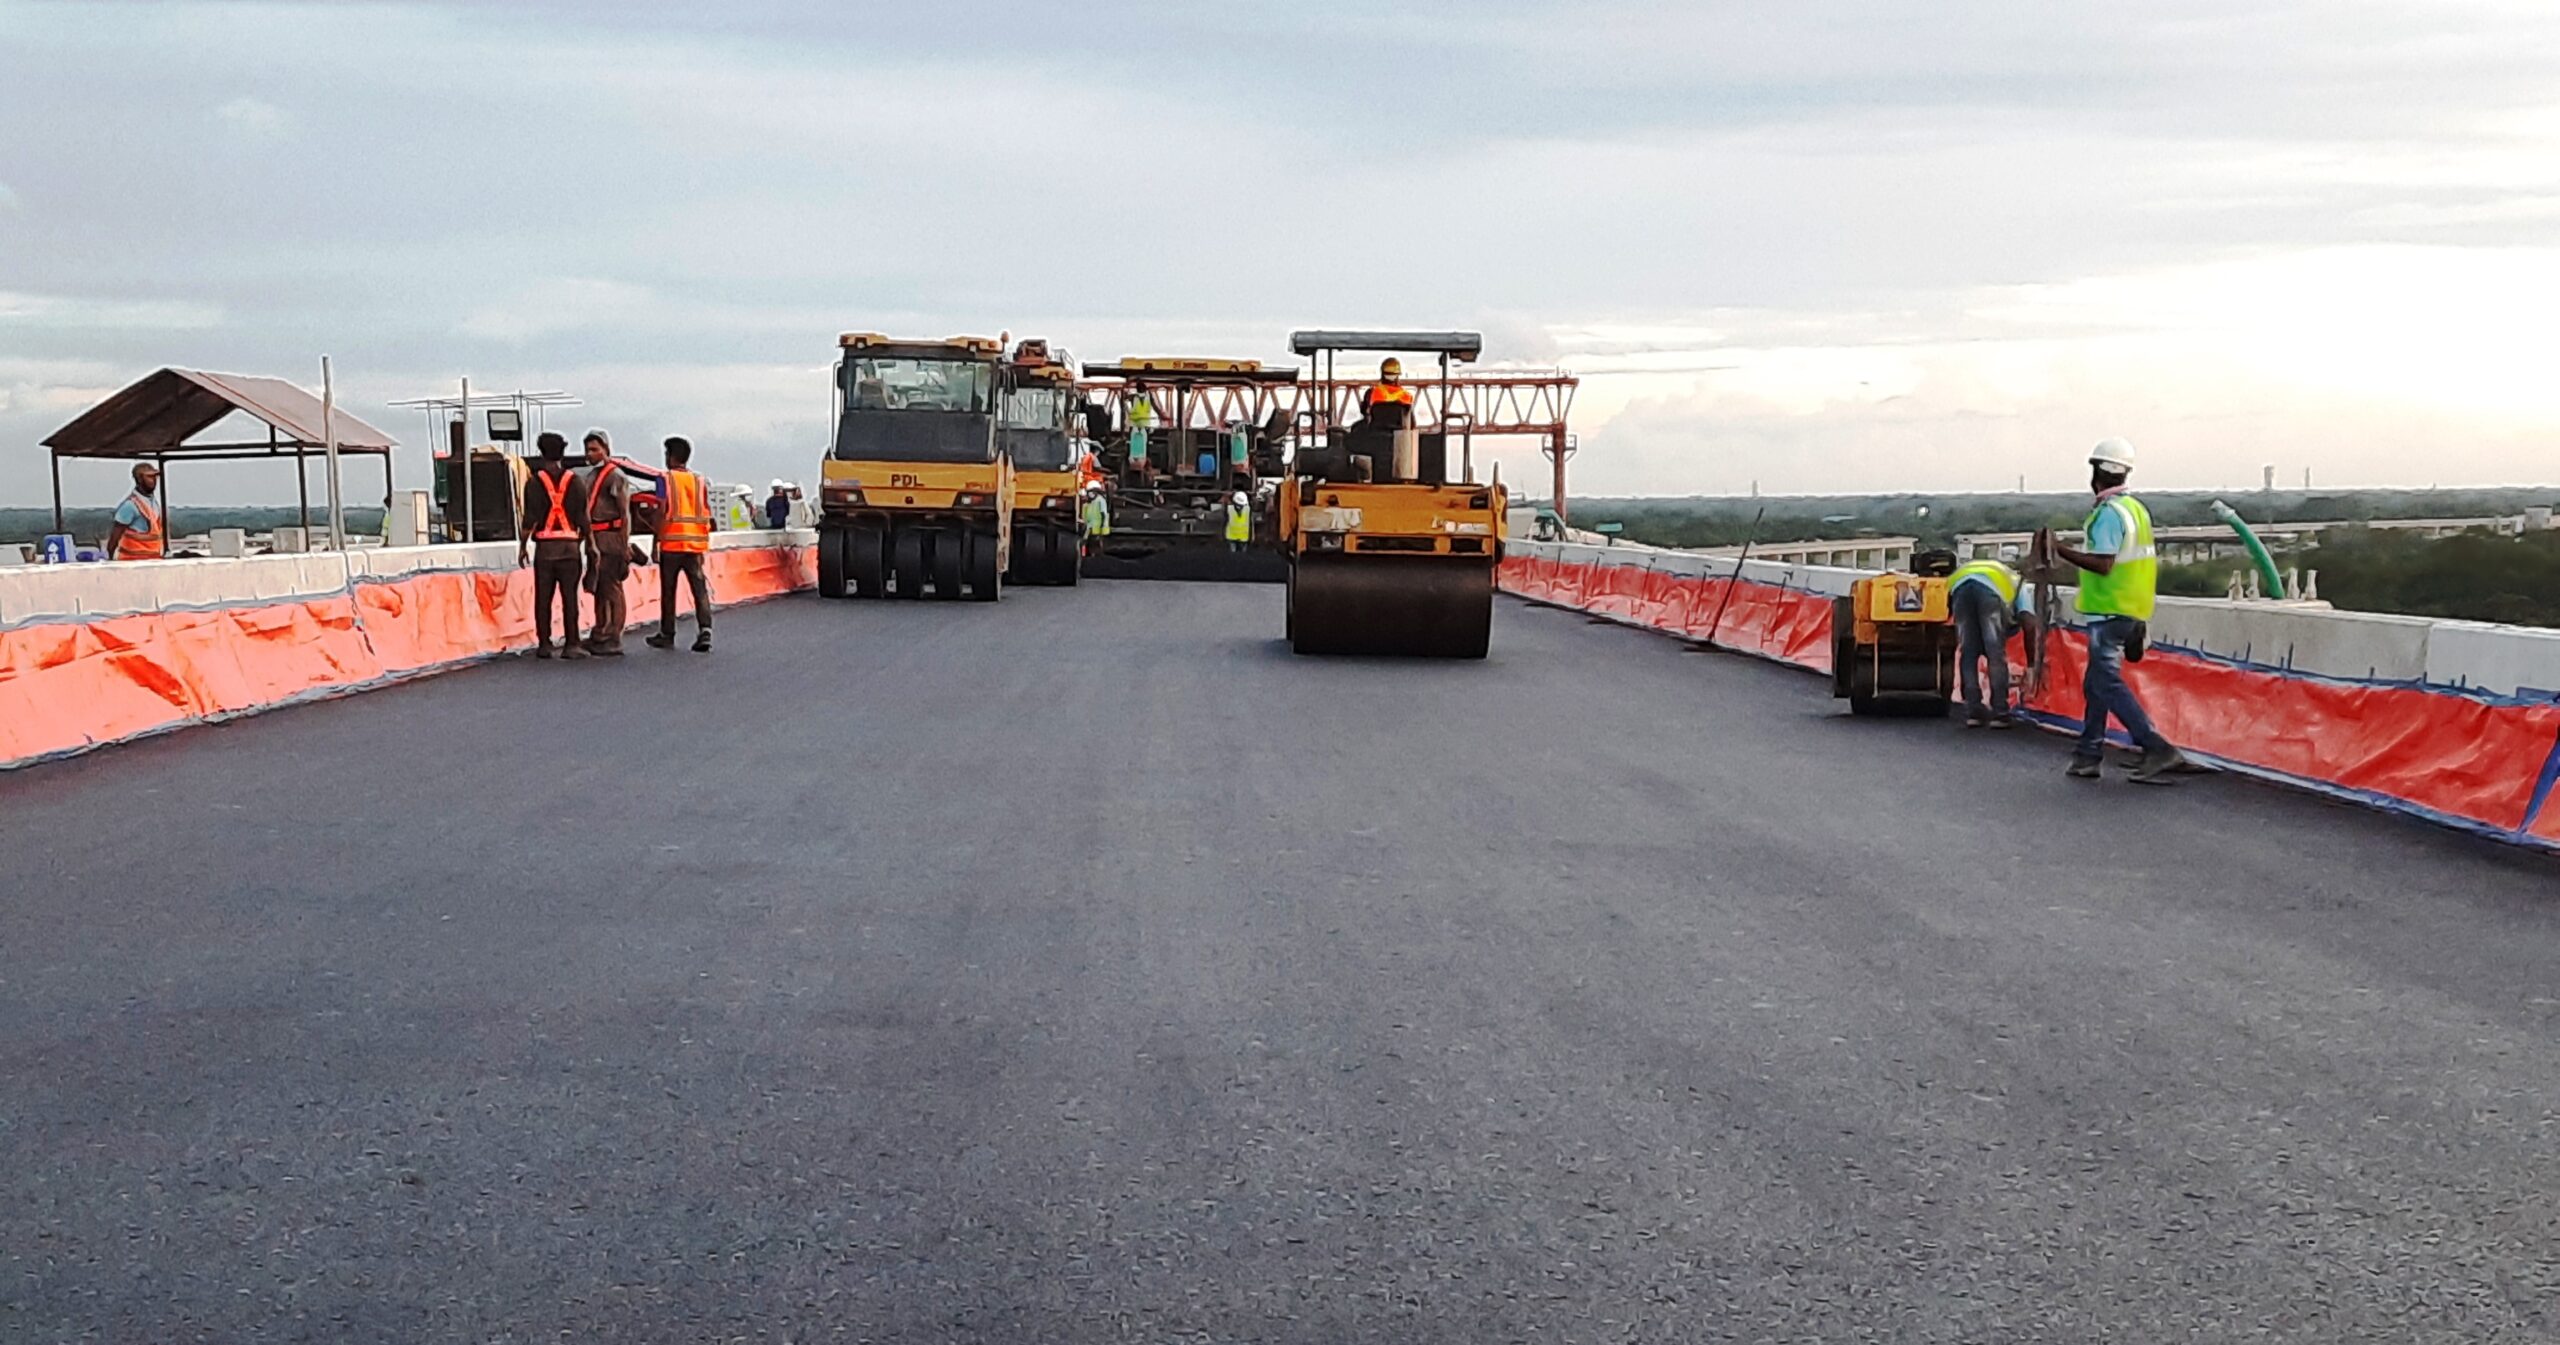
{"points": [[1388, 551]]}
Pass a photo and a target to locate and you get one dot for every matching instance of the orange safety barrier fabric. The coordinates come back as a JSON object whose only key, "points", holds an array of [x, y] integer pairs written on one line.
{"points": [[66, 686], [1785, 624]]}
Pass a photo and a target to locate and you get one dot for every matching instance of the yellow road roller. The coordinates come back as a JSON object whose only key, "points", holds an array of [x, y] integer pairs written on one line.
{"points": [[1389, 552], [1893, 641]]}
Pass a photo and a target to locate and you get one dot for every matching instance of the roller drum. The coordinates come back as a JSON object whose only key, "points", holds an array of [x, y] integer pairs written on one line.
{"points": [[1415, 606]]}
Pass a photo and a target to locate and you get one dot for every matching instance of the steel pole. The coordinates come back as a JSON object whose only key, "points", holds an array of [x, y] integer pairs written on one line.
{"points": [[462, 461], [329, 455], [1555, 454]]}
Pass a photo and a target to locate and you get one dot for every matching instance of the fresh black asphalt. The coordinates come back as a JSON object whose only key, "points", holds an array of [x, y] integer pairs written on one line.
{"points": [[1087, 968]]}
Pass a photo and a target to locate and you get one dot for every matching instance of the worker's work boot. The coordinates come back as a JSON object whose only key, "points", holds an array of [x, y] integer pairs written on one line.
{"points": [[662, 640], [572, 649], [702, 642], [1974, 719], [2082, 769], [542, 650], [2159, 766]]}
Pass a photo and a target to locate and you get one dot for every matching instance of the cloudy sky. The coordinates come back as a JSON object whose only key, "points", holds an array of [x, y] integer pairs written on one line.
{"points": [[1864, 244]]}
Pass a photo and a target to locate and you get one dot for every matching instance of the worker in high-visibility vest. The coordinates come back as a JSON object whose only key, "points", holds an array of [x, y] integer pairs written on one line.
{"points": [[1239, 521], [1388, 404], [136, 532], [610, 548], [684, 548], [1097, 512], [1988, 603], [2120, 581], [551, 538]]}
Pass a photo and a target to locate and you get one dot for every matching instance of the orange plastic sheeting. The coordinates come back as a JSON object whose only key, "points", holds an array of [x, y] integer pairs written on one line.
{"points": [[70, 685], [2457, 756], [1780, 623], [64, 687]]}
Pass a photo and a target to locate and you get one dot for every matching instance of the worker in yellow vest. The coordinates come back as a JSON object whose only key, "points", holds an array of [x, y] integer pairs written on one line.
{"points": [[1239, 521], [684, 548], [1989, 604], [136, 533], [2121, 579]]}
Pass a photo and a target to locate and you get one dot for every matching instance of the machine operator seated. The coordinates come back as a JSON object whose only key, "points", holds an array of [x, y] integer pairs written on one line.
{"points": [[1387, 404]]}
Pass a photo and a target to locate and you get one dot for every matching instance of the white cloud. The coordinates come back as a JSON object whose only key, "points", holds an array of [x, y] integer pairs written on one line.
{"points": [[65, 312]]}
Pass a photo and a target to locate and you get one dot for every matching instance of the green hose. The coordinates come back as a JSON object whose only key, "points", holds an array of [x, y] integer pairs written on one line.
{"points": [[2257, 549]]}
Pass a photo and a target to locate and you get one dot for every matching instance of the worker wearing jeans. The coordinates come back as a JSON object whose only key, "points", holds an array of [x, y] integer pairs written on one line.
{"points": [[1981, 596], [2106, 693], [2119, 584]]}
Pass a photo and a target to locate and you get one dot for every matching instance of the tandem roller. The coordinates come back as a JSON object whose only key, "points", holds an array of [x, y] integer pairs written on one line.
{"points": [[1389, 552]]}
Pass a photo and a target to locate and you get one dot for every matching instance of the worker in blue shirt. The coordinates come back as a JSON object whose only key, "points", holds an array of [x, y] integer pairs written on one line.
{"points": [[1989, 604]]}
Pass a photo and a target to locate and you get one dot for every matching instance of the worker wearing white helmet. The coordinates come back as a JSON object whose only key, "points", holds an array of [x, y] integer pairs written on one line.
{"points": [[1239, 520], [2120, 581], [777, 506]]}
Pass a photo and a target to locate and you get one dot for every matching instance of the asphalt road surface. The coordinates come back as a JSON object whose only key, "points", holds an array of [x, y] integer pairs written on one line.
{"points": [[1087, 968]]}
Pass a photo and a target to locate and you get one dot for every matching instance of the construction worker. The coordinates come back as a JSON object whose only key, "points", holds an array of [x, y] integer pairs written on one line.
{"points": [[136, 532], [684, 546], [554, 513], [1388, 404], [1097, 511], [777, 506], [1239, 521], [1988, 602], [1142, 417], [610, 550], [2122, 568]]}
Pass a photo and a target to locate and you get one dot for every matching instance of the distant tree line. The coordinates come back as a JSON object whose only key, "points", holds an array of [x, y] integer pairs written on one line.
{"points": [[90, 525], [1936, 519]]}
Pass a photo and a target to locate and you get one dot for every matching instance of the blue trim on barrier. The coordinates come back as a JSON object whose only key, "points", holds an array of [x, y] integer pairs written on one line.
{"points": [[2542, 784], [237, 604]]}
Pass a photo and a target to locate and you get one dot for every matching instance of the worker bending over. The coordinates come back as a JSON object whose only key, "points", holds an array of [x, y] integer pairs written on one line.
{"points": [[610, 550], [1388, 404], [554, 513], [2117, 594], [135, 533], [1988, 604], [684, 545]]}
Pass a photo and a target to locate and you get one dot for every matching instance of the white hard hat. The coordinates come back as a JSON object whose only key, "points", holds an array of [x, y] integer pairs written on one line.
{"points": [[2116, 453], [781, 485], [1240, 497]]}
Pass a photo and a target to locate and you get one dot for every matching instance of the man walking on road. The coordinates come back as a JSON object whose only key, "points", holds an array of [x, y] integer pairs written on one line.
{"points": [[1987, 602], [554, 513], [2117, 595], [684, 546], [607, 492]]}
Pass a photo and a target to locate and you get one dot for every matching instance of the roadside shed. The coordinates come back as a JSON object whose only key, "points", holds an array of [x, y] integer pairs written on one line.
{"points": [[153, 419]]}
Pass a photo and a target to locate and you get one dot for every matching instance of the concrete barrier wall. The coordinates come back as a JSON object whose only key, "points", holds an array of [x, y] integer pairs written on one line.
{"points": [[98, 654], [2449, 720]]}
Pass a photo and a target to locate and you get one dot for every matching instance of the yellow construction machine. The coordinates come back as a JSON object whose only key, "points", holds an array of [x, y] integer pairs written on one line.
{"points": [[1039, 424], [916, 494], [1893, 641], [1389, 551]]}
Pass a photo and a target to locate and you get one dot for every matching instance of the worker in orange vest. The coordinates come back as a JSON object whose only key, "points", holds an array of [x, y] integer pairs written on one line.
{"points": [[1388, 403], [610, 548], [684, 546], [554, 513], [136, 533]]}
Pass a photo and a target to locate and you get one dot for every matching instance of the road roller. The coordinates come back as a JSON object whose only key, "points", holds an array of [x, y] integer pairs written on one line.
{"points": [[915, 497], [1039, 423], [1388, 551], [1893, 641]]}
